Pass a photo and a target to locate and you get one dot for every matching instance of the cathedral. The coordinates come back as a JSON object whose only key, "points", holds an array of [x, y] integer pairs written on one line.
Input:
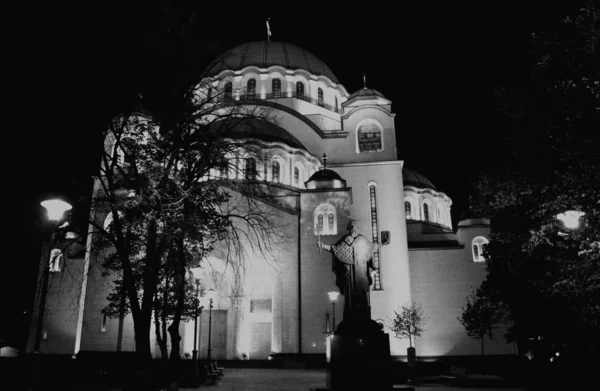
{"points": [[332, 158]]}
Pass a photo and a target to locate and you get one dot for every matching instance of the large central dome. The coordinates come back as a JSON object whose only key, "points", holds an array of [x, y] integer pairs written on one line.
{"points": [[264, 54]]}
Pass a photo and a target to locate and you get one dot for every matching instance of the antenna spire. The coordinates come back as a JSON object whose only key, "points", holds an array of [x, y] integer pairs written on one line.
{"points": [[364, 80]]}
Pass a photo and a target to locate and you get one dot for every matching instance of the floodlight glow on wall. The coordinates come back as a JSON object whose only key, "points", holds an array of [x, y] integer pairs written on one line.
{"points": [[196, 272], [211, 294], [56, 208], [570, 218]]}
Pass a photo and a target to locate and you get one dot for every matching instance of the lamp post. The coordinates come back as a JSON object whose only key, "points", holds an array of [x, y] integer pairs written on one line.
{"points": [[196, 272], [333, 296], [56, 209], [210, 295]]}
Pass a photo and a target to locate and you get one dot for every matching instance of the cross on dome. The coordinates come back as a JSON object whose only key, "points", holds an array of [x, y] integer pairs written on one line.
{"points": [[268, 30]]}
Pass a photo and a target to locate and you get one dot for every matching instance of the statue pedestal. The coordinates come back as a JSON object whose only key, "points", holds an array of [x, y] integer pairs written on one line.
{"points": [[359, 358]]}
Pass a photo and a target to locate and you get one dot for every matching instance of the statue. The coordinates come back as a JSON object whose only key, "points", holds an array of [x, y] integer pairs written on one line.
{"points": [[353, 267]]}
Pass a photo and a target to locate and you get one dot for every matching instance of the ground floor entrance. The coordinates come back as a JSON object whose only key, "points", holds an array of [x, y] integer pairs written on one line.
{"points": [[260, 347]]}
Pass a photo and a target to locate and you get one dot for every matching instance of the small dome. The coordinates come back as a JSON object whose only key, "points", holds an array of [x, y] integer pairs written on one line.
{"points": [[366, 92], [264, 54], [413, 178], [325, 179]]}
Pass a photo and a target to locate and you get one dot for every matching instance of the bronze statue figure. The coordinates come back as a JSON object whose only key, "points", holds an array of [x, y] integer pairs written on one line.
{"points": [[353, 267]]}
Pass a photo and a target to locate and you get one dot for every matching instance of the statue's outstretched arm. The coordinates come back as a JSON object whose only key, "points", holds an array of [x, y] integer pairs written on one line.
{"points": [[325, 247]]}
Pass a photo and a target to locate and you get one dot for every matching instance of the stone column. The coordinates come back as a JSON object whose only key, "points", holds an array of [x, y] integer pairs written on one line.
{"points": [[239, 335], [277, 317]]}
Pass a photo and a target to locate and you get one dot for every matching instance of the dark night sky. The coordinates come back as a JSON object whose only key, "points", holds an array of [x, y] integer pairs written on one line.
{"points": [[69, 68]]}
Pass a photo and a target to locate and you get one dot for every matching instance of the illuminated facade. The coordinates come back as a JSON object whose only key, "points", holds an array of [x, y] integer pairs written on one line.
{"points": [[281, 305]]}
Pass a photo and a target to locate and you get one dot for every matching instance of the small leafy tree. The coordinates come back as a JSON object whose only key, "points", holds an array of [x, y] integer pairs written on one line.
{"points": [[409, 322], [479, 317]]}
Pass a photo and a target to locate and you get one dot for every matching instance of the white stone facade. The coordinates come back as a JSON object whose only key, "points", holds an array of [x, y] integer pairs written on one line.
{"points": [[283, 305]]}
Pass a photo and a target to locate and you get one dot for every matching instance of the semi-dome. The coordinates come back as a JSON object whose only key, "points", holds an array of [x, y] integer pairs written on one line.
{"points": [[366, 92], [325, 179], [256, 128], [413, 178], [264, 54]]}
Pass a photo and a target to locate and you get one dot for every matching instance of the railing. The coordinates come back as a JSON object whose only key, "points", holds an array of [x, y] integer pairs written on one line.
{"points": [[244, 96]]}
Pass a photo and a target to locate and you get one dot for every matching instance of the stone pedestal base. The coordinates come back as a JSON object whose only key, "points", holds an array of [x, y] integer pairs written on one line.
{"points": [[359, 360]]}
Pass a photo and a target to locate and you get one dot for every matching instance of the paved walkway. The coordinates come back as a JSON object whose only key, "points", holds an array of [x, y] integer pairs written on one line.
{"points": [[245, 379]]}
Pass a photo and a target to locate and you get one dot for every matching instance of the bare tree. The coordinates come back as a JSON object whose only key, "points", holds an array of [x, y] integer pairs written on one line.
{"points": [[170, 194], [409, 322]]}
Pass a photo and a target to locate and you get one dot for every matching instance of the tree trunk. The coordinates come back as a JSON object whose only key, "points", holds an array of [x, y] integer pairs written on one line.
{"points": [[482, 337], [142, 337], [162, 342], [142, 315], [122, 302], [150, 279], [180, 281], [164, 314]]}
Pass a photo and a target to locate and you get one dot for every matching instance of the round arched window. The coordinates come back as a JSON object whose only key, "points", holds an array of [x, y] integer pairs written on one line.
{"points": [[425, 211], [478, 246], [276, 169], [408, 210]]}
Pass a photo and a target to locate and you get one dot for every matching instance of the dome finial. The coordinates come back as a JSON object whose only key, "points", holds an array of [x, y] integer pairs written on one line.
{"points": [[324, 158], [365, 81], [268, 31]]}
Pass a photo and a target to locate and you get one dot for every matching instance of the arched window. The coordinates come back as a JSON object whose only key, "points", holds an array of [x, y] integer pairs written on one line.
{"points": [[56, 257], [296, 176], [440, 216], [276, 88], [479, 245], [108, 220], [228, 96], [426, 212], [322, 227], [125, 150], [320, 97], [375, 234], [251, 89], [369, 137], [223, 168], [407, 210], [251, 168], [336, 103], [275, 169], [299, 89]]}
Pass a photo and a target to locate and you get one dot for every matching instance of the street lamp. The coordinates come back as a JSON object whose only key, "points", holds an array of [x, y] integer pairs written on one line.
{"points": [[56, 209], [196, 273], [333, 296], [571, 218], [210, 295]]}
